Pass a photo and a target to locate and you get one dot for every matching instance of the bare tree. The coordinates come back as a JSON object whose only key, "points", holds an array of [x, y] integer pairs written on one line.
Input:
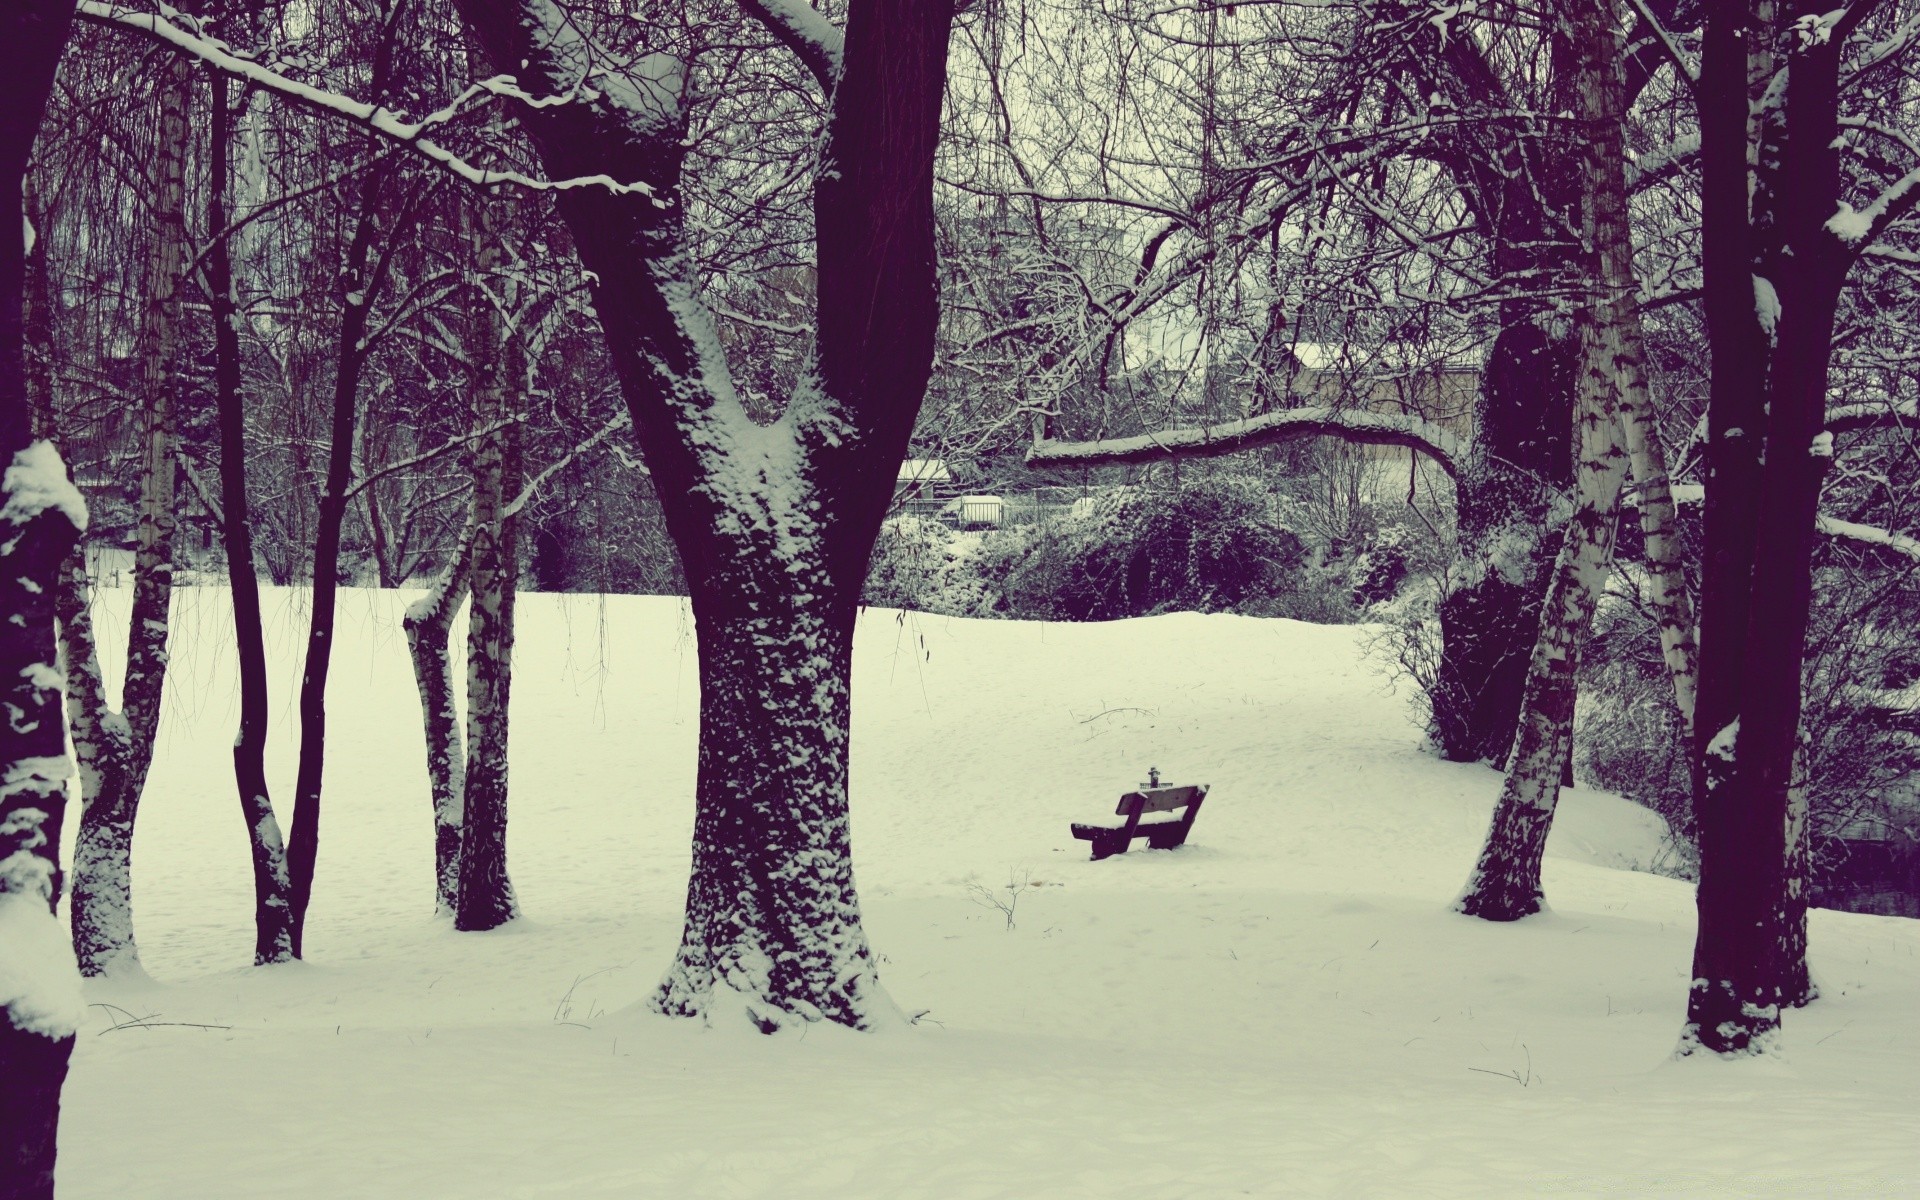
{"points": [[775, 522]]}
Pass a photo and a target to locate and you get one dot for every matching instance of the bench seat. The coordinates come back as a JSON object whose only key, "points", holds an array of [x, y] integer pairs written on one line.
{"points": [[1162, 815]]}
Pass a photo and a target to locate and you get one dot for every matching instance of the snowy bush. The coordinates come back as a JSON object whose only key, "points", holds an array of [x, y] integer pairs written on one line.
{"points": [[1215, 543]]}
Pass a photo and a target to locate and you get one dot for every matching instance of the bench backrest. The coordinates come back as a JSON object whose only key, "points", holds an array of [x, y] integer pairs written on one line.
{"points": [[1166, 799]]}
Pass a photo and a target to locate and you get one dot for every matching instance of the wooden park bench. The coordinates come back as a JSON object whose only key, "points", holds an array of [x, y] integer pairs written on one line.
{"points": [[1153, 812]]}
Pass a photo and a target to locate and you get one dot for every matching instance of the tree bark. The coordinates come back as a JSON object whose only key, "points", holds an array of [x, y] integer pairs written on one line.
{"points": [[359, 282], [272, 917], [1762, 509], [1505, 884], [1505, 496], [39, 520], [429, 626], [103, 886], [775, 523], [485, 899]]}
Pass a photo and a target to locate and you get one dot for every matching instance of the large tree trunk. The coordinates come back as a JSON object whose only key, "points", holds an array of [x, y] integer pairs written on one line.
{"points": [[1751, 697], [39, 519], [102, 886], [775, 523], [771, 806], [1505, 884], [272, 915]]}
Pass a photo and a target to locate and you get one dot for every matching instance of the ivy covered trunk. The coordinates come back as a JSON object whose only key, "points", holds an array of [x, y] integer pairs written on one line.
{"points": [[1506, 492]]}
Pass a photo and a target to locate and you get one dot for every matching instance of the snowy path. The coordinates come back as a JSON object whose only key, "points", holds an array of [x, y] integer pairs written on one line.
{"points": [[1282, 1008]]}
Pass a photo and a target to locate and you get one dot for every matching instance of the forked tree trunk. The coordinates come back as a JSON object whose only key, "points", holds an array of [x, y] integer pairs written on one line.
{"points": [[101, 906], [272, 914], [102, 886], [1744, 950], [1505, 884], [40, 516], [360, 278], [775, 523], [429, 627]]}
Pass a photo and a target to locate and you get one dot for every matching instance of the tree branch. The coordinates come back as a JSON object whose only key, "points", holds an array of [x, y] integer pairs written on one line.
{"points": [[373, 117], [815, 40], [1293, 424]]}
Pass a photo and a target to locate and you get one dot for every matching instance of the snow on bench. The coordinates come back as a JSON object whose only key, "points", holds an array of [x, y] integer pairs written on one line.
{"points": [[1162, 815]]}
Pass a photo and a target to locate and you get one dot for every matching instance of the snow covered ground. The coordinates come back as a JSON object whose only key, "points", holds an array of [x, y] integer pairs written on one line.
{"points": [[1284, 1007]]}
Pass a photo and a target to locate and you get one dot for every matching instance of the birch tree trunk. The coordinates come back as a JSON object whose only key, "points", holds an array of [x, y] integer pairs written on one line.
{"points": [[102, 855], [429, 626], [1505, 884], [40, 516], [485, 899], [272, 915], [1660, 533]]}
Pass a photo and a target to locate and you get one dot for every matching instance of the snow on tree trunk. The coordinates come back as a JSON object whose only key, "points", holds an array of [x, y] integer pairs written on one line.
{"points": [[775, 524], [485, 899], [1505, 884], [40, 517], [273, 933], [39, 985], [1760, 545], [1797, 986], [103, 889], [772, 917], [101, 907], [429, 627]]}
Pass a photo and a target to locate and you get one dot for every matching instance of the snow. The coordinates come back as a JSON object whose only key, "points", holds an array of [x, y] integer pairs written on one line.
{"points": [[1391, 429], [39, 982], [1283, 1007], [1766, 306], [36, 481]]}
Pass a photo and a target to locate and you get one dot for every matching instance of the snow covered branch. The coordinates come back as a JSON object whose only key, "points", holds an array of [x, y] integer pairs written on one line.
{"points": [[1850, 418], [816, 40], [1293, 424], [1857, 228], [1871, 535], [374, 117]]}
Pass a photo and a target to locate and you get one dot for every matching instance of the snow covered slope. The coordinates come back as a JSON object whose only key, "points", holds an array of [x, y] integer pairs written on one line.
{"points": [[1283, 1007]]}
